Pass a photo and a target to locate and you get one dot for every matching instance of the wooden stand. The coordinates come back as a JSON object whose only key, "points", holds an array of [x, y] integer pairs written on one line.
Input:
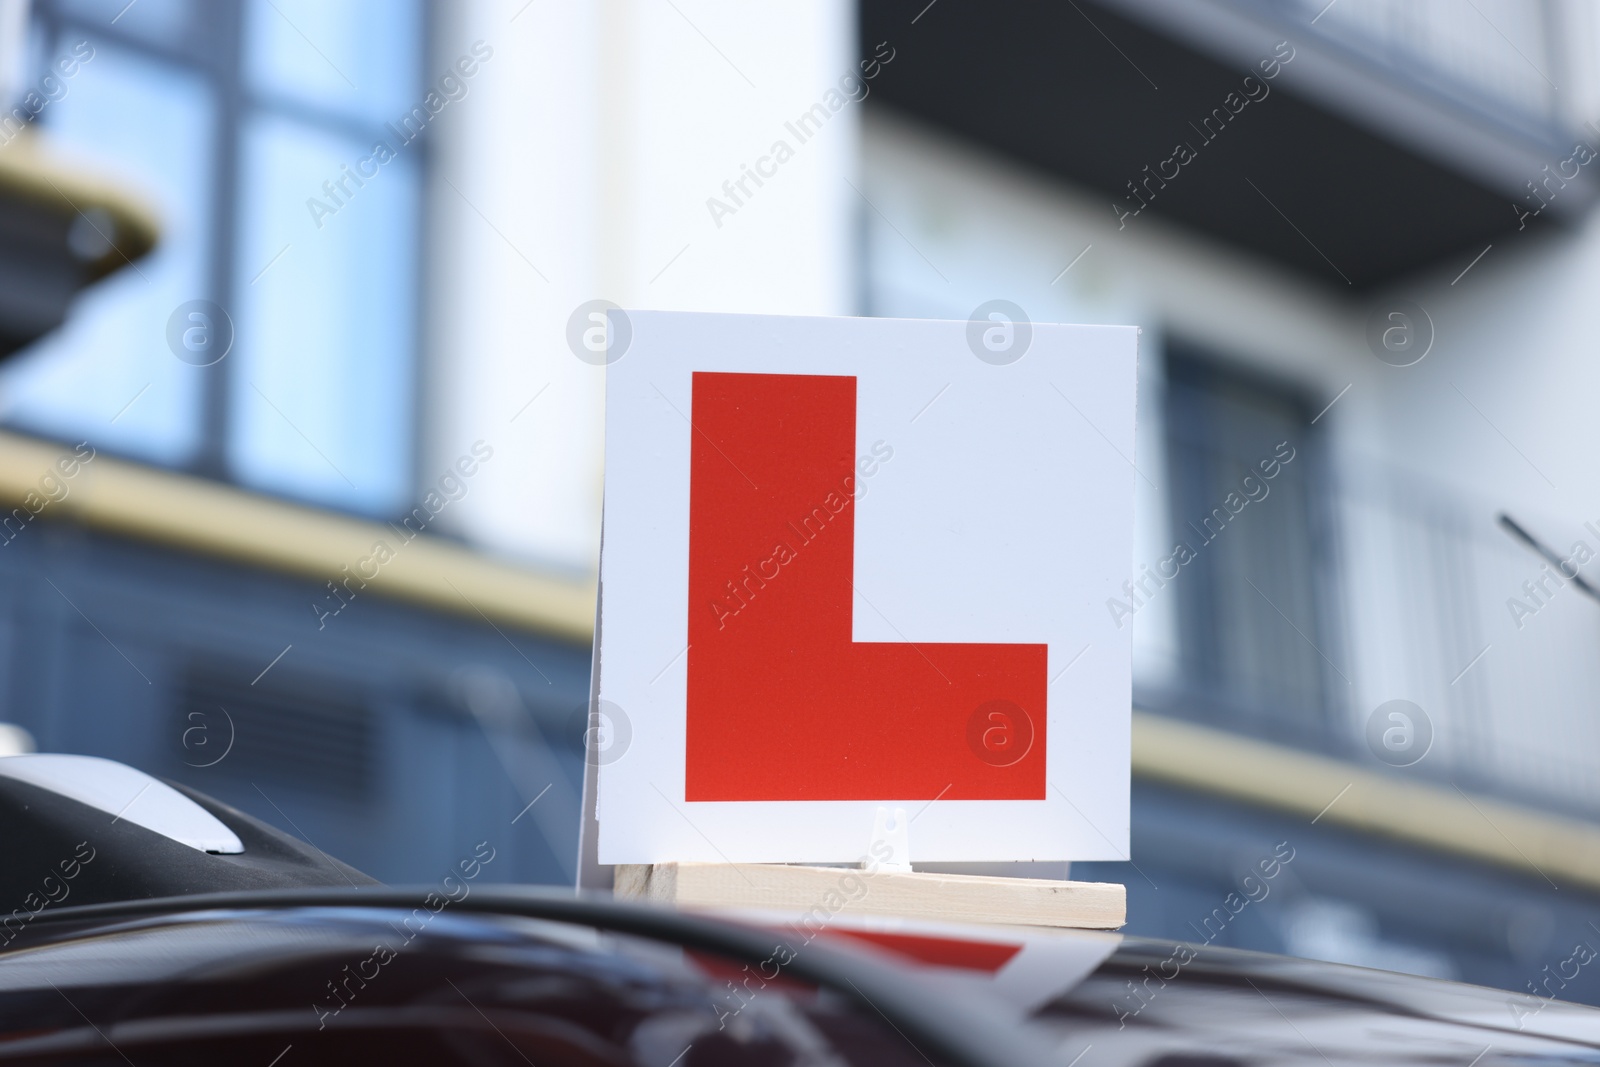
{"points": [[911, 895]]}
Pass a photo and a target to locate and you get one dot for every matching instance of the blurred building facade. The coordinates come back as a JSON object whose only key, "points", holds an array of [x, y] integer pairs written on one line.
{"points": [[1357, 237], [1355, 232]]}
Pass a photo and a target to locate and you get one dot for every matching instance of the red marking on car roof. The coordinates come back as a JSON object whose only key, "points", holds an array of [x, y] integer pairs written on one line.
{"points": [[986, 956]]}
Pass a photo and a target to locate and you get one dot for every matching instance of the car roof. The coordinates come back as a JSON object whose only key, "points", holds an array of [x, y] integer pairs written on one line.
{"points": [[1059, 993]]}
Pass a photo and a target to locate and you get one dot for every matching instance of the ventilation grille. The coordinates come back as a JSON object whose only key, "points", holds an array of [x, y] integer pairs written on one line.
{"points": [[306, 732]]}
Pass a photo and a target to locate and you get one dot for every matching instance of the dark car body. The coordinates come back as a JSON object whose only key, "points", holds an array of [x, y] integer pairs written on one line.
{"points": [[482, 975]]}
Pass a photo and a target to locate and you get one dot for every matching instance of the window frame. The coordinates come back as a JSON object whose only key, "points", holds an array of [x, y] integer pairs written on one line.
{"points": [[215, 52]]}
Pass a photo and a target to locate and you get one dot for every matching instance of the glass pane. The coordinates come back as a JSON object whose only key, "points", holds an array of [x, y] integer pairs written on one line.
{"points": [[323, 373], [108, 375], [358, 57]]}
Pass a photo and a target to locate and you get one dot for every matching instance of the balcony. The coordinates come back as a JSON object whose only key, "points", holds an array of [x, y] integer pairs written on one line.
{"points": [[1373, 139], [1417, 593]]}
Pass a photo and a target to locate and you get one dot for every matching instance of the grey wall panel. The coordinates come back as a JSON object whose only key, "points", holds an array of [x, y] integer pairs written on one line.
{"points": [[371, 736]]}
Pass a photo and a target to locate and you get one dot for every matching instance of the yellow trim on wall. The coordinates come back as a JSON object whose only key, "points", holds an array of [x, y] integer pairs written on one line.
{"points": [[1560, 850], [190, 513]]}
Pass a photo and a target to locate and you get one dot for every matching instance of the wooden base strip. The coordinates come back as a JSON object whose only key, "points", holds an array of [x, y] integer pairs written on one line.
{"points": [[912, 895]]}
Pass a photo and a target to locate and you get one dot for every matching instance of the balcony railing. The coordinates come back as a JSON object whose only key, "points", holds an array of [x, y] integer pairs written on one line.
{"points": [[1500, 54], [1426, 598]]}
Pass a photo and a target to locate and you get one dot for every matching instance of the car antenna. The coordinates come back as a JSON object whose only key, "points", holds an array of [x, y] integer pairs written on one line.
{"points": [[1513, 528]]}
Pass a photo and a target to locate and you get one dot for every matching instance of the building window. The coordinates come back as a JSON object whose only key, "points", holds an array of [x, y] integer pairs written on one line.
{"points": [[1242, 472], [253, 130]]}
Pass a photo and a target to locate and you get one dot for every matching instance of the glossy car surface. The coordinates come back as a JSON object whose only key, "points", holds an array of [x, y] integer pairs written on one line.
{"points": [[513, 977]]}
